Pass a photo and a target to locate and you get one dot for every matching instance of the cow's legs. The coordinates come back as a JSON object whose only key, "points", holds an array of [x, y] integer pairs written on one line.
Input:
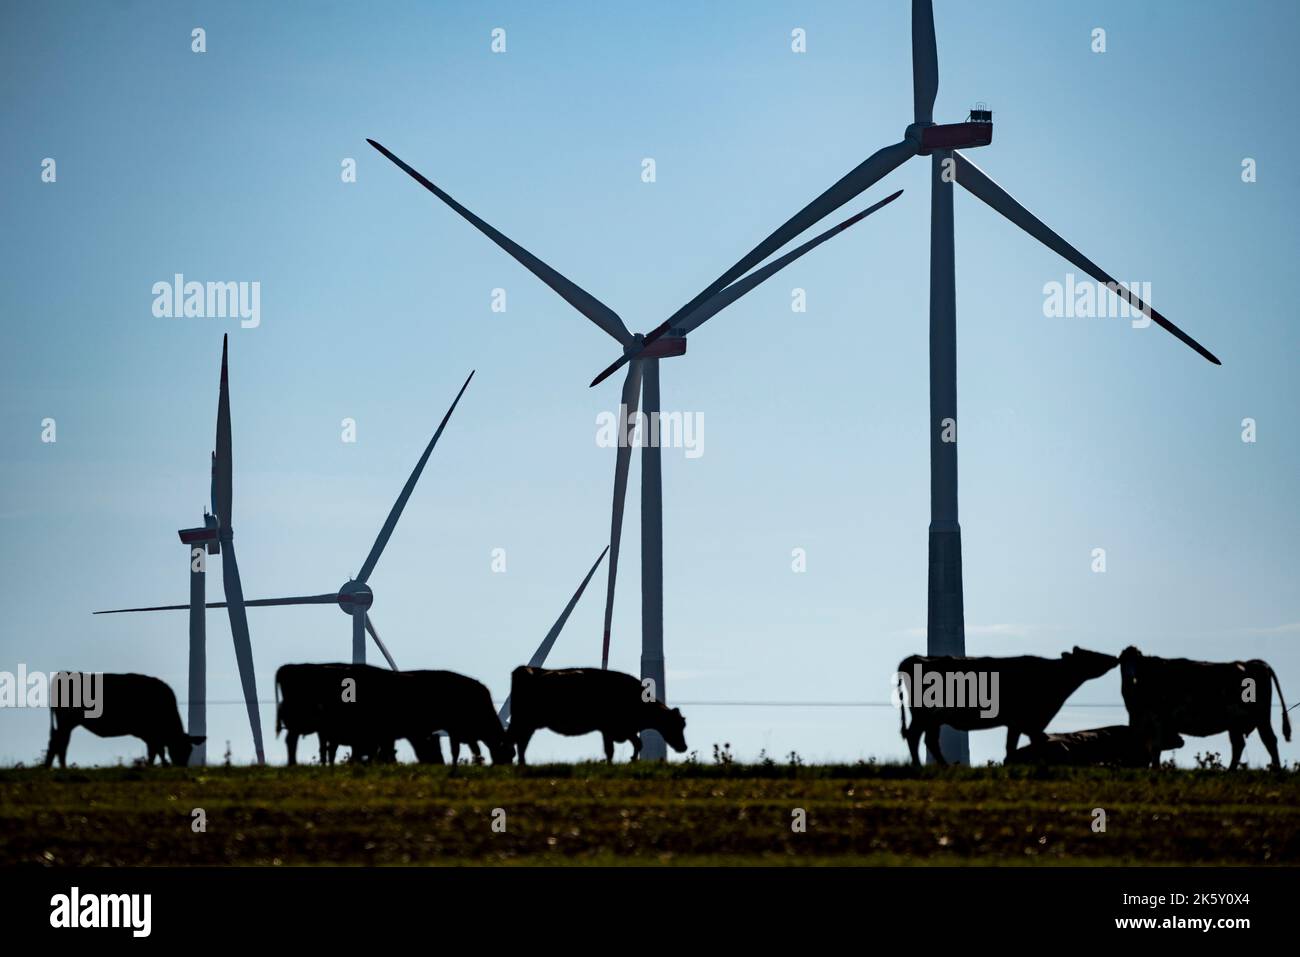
{"points": [[58, 746], [1013, 739], [1270, 741], [636, 746], [291, 743], [609, 747], [455, 750], [522, 736], [914, 741], [152, 752], [1238, 740], [332, 749], [474, 750], [932, 745]]}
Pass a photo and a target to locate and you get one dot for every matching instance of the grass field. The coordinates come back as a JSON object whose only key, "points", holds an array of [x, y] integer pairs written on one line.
{"points": [[643, 814]]}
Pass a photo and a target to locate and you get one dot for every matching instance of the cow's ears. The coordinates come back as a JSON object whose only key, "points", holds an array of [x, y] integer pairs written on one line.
{"points": [[198, 739]]}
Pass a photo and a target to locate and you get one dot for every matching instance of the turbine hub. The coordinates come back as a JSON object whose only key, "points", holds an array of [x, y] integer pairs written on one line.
{"points": [[355, 598]]}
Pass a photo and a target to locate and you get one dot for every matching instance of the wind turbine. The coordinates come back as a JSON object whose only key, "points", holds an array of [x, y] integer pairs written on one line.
{"points": [[941, 142], [354, 597], [539, 656], [641, 384], [216, 536]]}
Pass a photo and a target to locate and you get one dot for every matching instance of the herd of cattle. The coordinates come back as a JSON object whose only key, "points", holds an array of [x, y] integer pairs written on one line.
{"points": [[370, 709]]}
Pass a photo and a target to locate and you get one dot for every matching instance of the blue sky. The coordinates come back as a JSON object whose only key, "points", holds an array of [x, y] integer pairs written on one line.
{"points": [[1076, 433]]}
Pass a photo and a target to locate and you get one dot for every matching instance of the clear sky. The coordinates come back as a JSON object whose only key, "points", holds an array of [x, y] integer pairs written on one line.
{"points": [[1076, 434]]}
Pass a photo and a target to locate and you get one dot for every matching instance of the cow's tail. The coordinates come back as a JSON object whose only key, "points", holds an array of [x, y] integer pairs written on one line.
{"points": [[1286, 718], [902, 682], [278, 722]]}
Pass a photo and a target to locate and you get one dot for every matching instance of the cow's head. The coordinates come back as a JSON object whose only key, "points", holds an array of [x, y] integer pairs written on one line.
{"points": [[181, 749], [503, 752], [674, 730], [1089, 664], [1129, 659]]}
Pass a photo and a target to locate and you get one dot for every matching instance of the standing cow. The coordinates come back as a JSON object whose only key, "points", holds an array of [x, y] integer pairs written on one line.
{"points": [[1021, 694], [1200, 698], [130, 704], [463, 708], [577, 701], [369, 708], [360, 706]]}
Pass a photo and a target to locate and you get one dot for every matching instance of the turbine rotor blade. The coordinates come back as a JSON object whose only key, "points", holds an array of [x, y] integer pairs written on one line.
{"points": [[221, 476], [628, 407], [730, 294], [243, 644], [587, 304], [539, 656], [862, 177], [925, 61], [327, 599], [370, 627], [386, 532], [977, 183]]}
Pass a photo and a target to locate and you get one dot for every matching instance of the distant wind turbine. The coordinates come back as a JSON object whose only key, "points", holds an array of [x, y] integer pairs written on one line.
{"points": [[354, 597], [216, 536]]}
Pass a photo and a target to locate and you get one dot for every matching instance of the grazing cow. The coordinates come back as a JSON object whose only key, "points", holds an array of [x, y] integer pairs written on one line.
{"points": [[1021, 694], [581, 700], [1115, 745], [379, 706], [138, 705], [1200, 698], [463, 708], [340, 704]]}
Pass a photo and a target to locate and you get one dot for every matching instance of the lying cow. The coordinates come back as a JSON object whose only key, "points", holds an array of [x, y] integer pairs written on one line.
{"points": [[138, 705], [1200, 698], [1021, 694], [578, 701], [1116, 745]]}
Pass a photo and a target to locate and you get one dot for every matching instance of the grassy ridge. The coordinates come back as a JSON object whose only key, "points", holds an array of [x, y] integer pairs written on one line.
{"points": [[645, 814]]}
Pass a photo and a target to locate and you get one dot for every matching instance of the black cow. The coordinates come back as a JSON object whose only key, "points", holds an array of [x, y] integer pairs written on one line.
{"points": [[138, 705], [1200, 698], [361, 706], [1021, 694], [1116, 744], [379, 706], [577, 701], [463, 708]]}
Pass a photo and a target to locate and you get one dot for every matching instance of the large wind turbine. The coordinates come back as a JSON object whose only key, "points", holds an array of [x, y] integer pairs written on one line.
{"points": [[355, 596], [641, 385], [923, 137], [216, 536]]}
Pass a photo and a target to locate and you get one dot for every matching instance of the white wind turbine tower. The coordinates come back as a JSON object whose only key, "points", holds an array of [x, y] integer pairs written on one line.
{"points": [[640, 387], [354, 597], [945, 618]]}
